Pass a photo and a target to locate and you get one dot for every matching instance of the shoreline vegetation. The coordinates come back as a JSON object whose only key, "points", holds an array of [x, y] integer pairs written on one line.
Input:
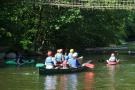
{"points": [[126, 48], [39, 28]]}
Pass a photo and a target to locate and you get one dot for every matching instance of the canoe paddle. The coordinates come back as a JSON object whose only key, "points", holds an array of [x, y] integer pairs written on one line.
{"points": [[89, 65], [38, 65]]}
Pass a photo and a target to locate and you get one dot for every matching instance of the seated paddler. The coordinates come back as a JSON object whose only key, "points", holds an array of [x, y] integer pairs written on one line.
{"points": [[70, 54], [73, 62], [49, 61], [59, 57], [112, 58]]}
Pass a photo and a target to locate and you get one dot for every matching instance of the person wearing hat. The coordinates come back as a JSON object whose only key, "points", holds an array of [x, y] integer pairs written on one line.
{"points": [[73, 62], [49, 61], [70, 54]]}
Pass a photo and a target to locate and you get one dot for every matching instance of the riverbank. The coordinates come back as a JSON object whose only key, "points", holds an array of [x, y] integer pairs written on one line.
{"points": [[125, 48]]}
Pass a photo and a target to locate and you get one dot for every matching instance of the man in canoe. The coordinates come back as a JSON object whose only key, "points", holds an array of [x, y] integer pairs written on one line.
{"points": [[49, 61]]}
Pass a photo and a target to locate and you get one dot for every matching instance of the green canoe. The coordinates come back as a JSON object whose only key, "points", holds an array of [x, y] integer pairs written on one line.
{"points": [[13, 62]]}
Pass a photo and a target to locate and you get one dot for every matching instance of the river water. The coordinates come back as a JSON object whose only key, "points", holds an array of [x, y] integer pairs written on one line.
{"points": [[103, 77]]}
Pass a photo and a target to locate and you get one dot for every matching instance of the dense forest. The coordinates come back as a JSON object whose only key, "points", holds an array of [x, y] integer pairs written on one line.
{"points": [[37, 27]]}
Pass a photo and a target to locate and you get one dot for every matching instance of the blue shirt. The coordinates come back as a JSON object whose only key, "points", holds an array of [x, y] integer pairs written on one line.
{"points": [[70, 55], [66, 58], [49, 61], [73, 63], [58, 57]]}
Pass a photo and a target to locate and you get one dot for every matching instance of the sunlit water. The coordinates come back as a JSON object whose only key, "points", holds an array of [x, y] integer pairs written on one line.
{"points": [[103, 77]]}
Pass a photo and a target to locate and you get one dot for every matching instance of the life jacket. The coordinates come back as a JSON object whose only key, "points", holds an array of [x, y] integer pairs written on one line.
{"points": [[70, 55], [58, 57], [49, 61]]}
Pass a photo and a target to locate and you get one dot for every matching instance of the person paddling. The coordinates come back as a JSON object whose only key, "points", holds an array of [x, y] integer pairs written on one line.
{"points": [[73, 62], [113, 58], [49, 61]]}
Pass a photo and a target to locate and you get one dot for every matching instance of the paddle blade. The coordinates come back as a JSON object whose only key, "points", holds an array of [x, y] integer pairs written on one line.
{"points": [[38, 65], [89, 65]]}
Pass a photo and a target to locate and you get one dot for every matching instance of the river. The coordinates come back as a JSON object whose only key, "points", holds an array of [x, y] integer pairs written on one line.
{"points": [[103, 77]]}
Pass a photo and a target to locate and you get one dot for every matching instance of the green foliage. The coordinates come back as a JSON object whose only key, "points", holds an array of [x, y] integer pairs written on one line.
{"points": [[5, 33], [26, 44], [39, 28]]}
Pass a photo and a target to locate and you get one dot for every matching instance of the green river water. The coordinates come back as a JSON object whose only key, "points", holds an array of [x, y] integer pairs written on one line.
{"points": [[103, 77]]}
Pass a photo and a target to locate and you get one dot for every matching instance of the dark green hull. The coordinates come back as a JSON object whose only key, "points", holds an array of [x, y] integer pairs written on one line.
{"points": [[44, 71]]}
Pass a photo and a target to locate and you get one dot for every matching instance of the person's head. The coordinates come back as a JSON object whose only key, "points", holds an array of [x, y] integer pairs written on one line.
{"points": [[71, 50], [49, 53], [112, 54], [60, 50], [75, 55]]}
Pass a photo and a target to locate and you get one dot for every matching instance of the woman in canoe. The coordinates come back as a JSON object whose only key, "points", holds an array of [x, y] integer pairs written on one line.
{"points": [[49, 61], [112, 58]]}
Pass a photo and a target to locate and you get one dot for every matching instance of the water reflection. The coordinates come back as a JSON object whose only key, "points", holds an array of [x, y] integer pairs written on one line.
{"points": [[69, 81], [88, 81], [65, 82], [112, 75], [50, 82], [72, 81]]}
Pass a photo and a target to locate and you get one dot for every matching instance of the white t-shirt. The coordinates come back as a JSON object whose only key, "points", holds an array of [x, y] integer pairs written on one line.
{"points": [[112, 58]]}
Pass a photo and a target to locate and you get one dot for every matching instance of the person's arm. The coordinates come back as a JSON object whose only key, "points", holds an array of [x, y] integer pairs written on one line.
{"points": [[54, 61], [45, 61], [117, 60], [62, 58], [78, 64]]}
